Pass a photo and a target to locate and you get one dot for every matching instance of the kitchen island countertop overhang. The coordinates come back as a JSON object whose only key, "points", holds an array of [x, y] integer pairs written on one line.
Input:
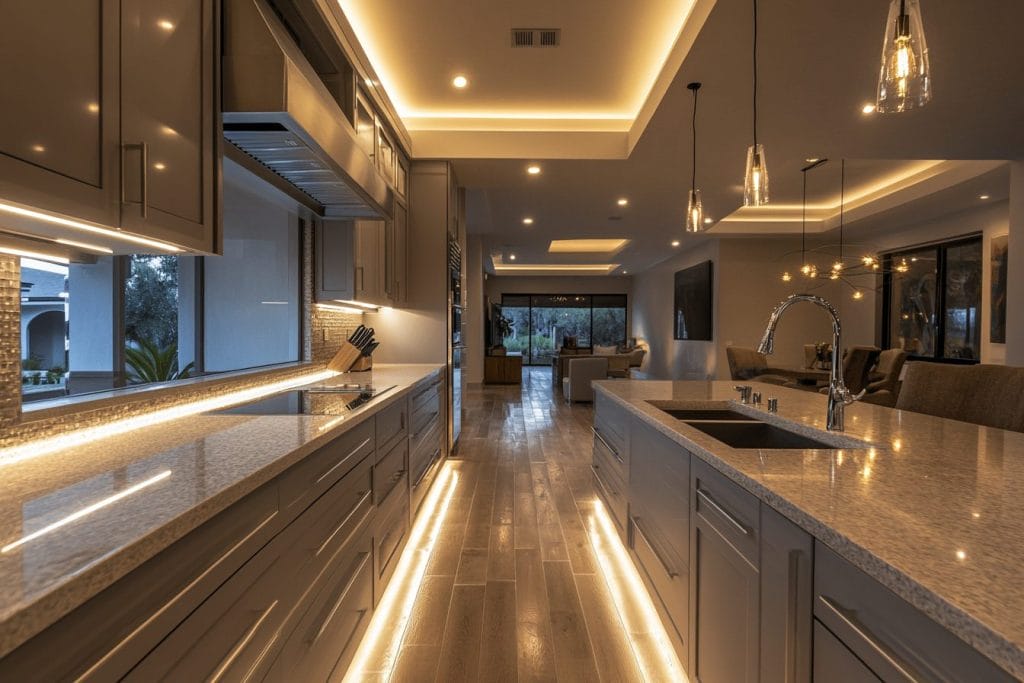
{"points": [[931, 508]]}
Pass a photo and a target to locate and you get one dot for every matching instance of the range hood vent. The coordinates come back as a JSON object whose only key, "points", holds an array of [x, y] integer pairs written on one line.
{"points": [[279, 112]]}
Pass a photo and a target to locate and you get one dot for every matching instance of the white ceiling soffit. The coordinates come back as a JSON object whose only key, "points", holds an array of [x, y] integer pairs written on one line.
{"points": [[589, 97], [894, 184]]}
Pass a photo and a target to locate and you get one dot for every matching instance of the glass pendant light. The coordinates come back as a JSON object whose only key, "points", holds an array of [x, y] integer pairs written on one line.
{"points": [[694, 207], [755, 181], [904, 81]]}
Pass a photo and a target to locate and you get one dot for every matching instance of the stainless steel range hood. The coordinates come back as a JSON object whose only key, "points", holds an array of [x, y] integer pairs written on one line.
{"points": [[278, 111]]}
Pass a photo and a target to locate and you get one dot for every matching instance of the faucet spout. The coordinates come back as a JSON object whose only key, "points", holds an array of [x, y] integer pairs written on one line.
{"points": [[838, 395]]}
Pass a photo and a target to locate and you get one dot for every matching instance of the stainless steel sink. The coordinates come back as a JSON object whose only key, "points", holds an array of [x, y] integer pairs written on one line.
{"points": [[753, 434]]}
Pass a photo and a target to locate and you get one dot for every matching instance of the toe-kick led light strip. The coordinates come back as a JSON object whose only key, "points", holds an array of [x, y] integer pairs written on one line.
{"points": [[387, 627], [88, 510], [626, 587], [81, 437]]}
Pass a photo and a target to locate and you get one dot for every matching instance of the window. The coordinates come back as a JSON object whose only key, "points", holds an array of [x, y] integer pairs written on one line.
{"points": [[540, 322], [932, 300]]}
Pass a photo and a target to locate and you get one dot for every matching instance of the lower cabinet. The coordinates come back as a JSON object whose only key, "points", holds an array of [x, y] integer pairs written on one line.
{"points": [[724, 580], [834, 662], [787, 591]]}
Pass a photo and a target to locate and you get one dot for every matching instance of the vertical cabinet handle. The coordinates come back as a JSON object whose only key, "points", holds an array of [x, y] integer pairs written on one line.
{"points": [[143, 175], [792, 610]]}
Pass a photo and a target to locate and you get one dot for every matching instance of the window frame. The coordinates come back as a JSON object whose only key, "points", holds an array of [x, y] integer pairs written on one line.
{"points": [[941, 249], [528, 355]]}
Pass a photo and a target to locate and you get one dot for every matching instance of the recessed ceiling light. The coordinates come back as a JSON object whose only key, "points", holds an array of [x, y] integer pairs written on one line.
{"points": [[708, 220], [867, 109], [812, 160], [533, 169], [460, 81], [160, 166], [38, 148], [527, 221], [165, 25], [982, 196], [624, 271], [675, 243], [511, 257], [622, 201], [93, 107]]}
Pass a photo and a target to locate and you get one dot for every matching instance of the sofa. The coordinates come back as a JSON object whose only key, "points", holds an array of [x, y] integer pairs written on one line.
{"points": [[751, 365], [619, 363], [579, 374]]}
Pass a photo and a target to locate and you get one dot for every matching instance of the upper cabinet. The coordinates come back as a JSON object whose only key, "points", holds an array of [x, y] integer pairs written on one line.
{"points": [[169, 138], [111, 116]]}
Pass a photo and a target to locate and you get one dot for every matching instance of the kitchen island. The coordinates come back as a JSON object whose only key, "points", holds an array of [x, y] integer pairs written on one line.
{"points": [[110, 546], [919, 517]]}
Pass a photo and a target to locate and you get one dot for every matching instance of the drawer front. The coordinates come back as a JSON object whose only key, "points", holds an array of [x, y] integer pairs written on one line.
{"points": [[613, 420], [670, 581], [428, 469], [609, 451], [613, 495], [891, 636], [835, 663], [423, 457], [234, 635], [424, 424], [389, 540], [726, 507], [392, 423], [310, 478], [425, 394], [325, 637], [163, 591], [389, 472]]}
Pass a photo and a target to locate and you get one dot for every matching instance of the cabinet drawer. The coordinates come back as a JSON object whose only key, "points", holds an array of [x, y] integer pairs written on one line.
{"points": [[139, 610], [424, 424], [727, 508], [425, 394], [388, 472], [326, 636], [424, 473], [391, 424], [391, 534], [613, 421], [613, 495], [892, 637], [318, 472], [669, 579], [835, 663]]}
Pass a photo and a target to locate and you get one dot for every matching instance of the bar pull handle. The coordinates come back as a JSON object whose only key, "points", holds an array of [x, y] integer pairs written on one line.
{"points": [[723, 512]]}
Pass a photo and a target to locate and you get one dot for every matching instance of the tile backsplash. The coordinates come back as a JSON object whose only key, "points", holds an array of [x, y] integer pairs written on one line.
{"points": [[10, 340]]}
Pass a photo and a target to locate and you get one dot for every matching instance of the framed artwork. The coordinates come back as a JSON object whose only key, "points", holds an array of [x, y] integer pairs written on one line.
{"points": [[694, 303], [997, 305]]}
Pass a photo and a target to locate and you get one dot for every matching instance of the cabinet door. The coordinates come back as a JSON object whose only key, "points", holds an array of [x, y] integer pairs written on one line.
{"points": [[369, 247], [787, 592], [58, 144], [170, 120], [335, 277], [400, 294], [725, 609]]}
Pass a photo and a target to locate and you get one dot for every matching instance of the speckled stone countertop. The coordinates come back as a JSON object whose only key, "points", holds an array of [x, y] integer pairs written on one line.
{"points": [[212, 460], [931, 508]]}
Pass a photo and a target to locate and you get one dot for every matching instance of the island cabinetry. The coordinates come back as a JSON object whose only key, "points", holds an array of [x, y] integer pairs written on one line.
{"points": [[426, 441], [724, 579], [610, 464], [787, 591], [892, 638], [659, 508]]}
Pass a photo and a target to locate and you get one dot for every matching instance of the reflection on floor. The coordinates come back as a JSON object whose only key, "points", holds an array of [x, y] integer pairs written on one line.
{"points": [[514, 588]]}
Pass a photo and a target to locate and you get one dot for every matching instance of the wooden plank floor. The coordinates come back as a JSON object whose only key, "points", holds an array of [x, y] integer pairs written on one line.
{"points": [[511, 591]]}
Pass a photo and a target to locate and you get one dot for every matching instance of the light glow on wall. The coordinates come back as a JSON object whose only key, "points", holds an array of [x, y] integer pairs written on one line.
{"points": [[632, 602], [387, 627]]}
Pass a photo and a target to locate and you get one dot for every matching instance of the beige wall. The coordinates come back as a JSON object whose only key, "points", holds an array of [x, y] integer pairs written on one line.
{"points": [[473, 313]]}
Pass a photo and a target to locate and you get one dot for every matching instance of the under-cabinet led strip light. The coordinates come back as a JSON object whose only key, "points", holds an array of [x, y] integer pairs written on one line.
{"points": [[630, 596], [86, 227], [387, 627], [81, 437]]}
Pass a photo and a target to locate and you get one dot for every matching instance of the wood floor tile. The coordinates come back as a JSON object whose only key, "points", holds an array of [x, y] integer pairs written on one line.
{"points": [[498, 641], [460, 648], [574, 658]]}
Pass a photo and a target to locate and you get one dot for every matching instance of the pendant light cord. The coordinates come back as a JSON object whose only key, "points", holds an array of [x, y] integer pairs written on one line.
{"points": [[693, 172], [803, 224], [755, 74], [842, 203]]}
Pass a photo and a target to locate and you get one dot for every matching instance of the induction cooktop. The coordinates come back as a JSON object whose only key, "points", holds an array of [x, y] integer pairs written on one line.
{"points": [[335, 399]]}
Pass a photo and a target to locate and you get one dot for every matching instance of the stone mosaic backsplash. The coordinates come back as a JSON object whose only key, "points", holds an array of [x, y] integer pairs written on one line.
{"points": [[10, 340]]}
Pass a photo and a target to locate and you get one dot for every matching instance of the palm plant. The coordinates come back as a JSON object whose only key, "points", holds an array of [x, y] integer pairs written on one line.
{"points": [[150, 363]]}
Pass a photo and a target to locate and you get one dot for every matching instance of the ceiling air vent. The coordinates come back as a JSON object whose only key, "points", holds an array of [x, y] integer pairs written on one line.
{"points": [[536, 37]]}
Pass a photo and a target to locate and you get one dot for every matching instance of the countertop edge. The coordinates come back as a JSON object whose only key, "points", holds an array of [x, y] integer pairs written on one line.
{"points": [[975, 633], [47, 609]]}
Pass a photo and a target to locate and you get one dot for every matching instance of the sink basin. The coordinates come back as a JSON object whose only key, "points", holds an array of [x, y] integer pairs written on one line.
{"points": [[707, 414], [753, 434]]}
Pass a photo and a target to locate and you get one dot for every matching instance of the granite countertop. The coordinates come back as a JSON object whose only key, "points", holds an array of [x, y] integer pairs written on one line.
{"points": [[931, 508], [75, 521]]}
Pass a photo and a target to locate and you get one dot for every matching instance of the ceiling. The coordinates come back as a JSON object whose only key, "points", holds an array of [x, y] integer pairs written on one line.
{"points": [[818, 65]]}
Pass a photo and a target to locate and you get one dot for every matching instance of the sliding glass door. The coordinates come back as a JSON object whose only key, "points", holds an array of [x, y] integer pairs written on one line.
{"points": [[540, 323]]}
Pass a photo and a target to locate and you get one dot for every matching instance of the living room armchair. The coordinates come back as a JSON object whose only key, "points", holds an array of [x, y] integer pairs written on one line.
{"points": [[580, 373]]}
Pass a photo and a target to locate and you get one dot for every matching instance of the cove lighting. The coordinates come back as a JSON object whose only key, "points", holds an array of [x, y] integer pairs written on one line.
{"points": [[391, 618], [16, 210], [81, 437], [33, 254], [87, 510], [84, 245], [573, 267], [632, 602], [587, 246]]}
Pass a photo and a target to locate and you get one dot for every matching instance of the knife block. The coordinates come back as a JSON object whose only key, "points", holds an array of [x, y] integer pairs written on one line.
{"points": [[363, 363], [347, 356]]}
